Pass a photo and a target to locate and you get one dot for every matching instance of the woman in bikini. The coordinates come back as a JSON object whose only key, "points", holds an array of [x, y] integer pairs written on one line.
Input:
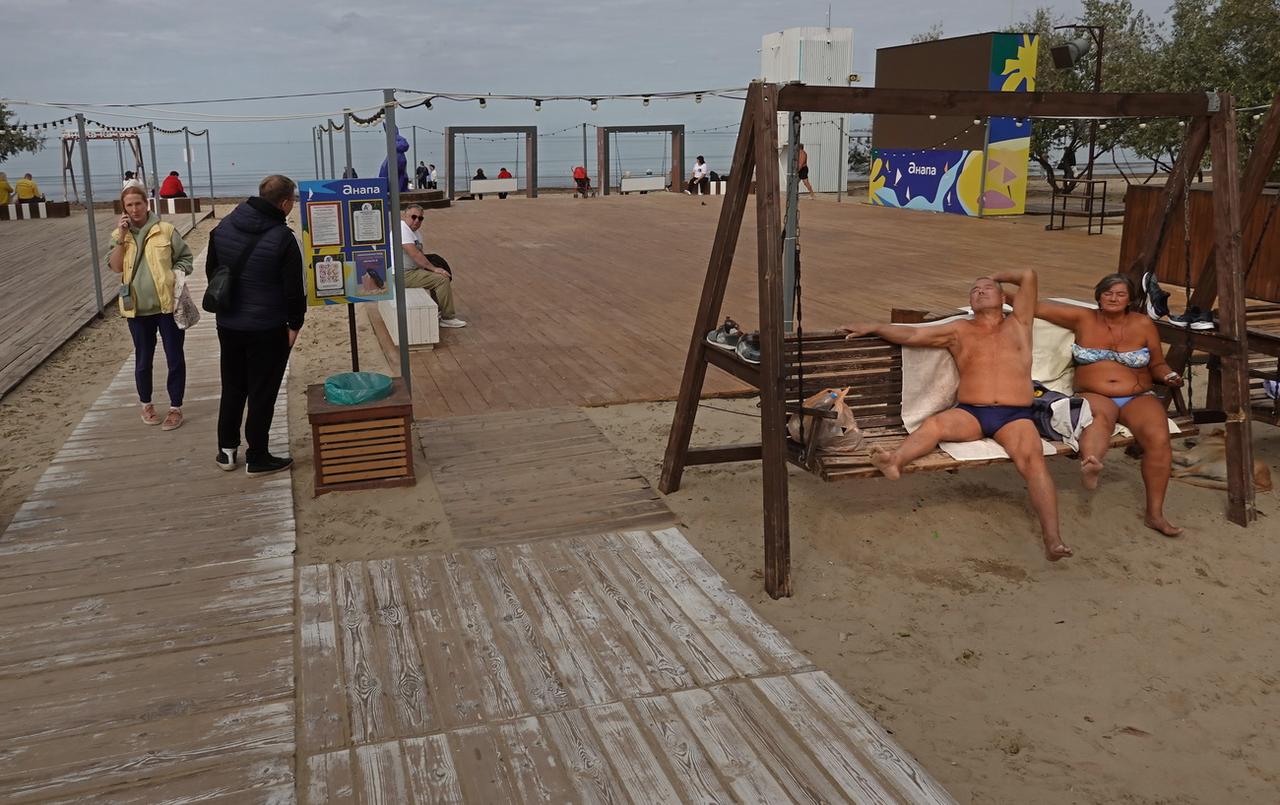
{"points": [[1118, 360]]}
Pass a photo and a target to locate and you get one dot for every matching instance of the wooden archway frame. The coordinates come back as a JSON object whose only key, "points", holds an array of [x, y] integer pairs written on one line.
{"points": [[602, 152], [1212, 120], [530, 153]]}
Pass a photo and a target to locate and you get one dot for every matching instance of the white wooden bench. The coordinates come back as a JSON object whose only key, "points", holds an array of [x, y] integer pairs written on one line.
{"points": [[479, 186], [165, 206], [29, 210], [642, 184], [423, 318]]}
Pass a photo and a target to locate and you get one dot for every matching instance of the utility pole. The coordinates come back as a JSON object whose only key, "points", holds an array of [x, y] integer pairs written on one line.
{"points": [[94, 256], [191, 200], [155, 169], [333, 171], [346, 135], [208, 152], [397, 255]]}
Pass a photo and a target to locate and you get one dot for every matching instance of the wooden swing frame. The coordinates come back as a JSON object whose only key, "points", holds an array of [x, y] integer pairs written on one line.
{"points": [[1211, 123], [530, 153], [603, 152]]}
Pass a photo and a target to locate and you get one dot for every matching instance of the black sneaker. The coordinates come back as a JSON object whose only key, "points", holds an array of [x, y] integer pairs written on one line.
{"points": [[726, 336], [268, 464], [227, 460], [1157, 297], [1194, 318], [749, 348]]}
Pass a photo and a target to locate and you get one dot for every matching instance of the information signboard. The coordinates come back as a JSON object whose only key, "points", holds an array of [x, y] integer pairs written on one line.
{"points": [[344, 238]]}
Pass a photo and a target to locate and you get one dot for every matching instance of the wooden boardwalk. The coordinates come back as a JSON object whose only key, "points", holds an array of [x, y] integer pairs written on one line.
{"points": [[46, 287], [577, 302], [542, 473], [617, 668], [147, 613]]}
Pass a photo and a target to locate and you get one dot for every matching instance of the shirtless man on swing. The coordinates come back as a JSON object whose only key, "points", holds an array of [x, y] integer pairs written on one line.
{"points": [[993, 354]]}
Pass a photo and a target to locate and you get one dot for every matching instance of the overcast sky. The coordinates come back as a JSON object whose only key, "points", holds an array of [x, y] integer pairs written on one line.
{"points": [[97, 51]]}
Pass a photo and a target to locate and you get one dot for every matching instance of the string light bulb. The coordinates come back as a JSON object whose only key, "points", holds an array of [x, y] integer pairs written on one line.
{"points": [[933, 117], [697, 98], [646, 100], [1062, 127], [1142, 125], [1258, 116], [428, 104], [595, 104], [482, 103], [537, 106], [977, 122], [1102, 127], [1182, 123]]}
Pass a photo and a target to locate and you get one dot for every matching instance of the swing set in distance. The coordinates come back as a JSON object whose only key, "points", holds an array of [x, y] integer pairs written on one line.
{"points": [[1211, 119], [530, 153]]}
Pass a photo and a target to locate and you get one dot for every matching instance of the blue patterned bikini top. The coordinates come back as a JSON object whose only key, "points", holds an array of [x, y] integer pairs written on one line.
{"points": [[1137, 359]]}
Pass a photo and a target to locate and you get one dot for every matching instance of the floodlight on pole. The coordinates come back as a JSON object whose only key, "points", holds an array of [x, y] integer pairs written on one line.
{"points": [[1067, 56]]}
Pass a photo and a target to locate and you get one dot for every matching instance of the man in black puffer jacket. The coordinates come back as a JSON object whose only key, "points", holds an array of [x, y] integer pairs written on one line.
{"points": [[268, 303]]}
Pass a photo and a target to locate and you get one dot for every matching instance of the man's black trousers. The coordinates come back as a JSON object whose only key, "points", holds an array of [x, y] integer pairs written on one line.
{"points": [[253, 363]]}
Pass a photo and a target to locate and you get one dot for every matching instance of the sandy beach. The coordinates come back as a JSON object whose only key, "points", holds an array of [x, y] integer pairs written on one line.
{"points": [[1143, 670]]}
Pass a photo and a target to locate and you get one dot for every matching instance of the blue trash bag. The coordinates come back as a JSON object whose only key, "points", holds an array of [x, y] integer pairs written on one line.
{"points": [[353, 388]]}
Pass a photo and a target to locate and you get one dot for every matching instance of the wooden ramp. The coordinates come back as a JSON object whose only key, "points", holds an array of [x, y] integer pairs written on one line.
{"points": [[46, 286], [147, 612], [551, 472], [616, 668]]}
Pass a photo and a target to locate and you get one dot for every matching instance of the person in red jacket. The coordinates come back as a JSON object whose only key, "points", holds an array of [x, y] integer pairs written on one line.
{"points": [[503, 173], [172, 187], [582, 180]]}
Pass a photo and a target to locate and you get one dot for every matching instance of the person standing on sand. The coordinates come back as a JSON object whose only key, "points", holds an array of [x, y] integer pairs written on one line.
{"points": [[802, 168], [256, 335], [146, 252], [993, 355]]}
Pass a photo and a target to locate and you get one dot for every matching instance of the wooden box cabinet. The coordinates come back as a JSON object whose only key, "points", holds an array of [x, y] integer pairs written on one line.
{"points": [[364, 446]]}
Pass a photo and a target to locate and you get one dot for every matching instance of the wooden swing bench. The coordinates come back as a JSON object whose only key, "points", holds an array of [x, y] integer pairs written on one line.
{"points": [[873, 367], [872, 370]]}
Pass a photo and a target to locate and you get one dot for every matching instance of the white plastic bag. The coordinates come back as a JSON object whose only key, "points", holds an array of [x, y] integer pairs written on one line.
{"points": [[186, 313]]}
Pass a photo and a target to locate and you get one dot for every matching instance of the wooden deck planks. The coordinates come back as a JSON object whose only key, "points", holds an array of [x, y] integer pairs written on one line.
{"points": [[544, 473], [46, 287], [588, 304], [146, 626], [605, 669]]}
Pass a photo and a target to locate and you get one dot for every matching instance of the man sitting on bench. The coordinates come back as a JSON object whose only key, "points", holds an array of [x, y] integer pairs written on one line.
{"points": [[993, 354], [420, 272]]}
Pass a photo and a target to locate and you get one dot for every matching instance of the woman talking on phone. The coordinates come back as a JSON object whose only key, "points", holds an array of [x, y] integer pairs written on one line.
{"points": [[146, 252]]}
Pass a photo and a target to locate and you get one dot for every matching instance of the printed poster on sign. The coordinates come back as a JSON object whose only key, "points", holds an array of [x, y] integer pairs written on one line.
{"points": [[344, 238]]}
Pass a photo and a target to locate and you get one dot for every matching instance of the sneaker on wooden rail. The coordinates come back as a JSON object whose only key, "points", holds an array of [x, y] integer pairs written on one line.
{"points": [[454, 323], [726, 336], [1194, 318], [749, 348], [1157, 297]]}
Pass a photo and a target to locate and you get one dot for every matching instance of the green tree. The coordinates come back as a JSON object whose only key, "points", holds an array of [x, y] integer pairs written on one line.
{"points": [[933, 34], [14, 140], [1129, 39]]}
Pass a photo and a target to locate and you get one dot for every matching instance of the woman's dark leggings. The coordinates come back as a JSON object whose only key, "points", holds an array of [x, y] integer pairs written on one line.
{"points": [[144, 329]]}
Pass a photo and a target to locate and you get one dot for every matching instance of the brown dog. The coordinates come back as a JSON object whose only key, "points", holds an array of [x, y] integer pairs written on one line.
{"points": [[1205, 464]]}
